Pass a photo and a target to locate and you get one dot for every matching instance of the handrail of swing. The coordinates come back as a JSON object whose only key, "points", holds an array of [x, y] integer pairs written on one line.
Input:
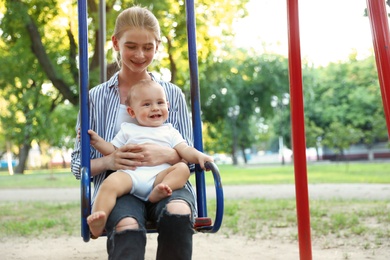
{"points": [[219, 201]]}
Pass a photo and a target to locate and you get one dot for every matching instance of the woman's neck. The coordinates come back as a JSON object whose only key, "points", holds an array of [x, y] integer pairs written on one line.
{"points": [[126, 80]]}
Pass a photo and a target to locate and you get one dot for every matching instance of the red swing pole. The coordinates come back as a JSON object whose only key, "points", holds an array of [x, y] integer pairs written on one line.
{"points": [[381, 40], [298, 131]]}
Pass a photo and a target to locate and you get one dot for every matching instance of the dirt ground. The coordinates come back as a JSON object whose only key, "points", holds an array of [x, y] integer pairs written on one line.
{"points": [[206, 246]]}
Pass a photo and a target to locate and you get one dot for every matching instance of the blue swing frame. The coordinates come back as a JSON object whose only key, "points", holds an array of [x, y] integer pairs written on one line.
{"points": [[202, 223]]}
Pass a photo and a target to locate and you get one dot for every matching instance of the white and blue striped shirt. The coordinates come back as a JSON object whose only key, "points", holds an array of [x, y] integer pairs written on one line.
{"points": [[104, 103]]}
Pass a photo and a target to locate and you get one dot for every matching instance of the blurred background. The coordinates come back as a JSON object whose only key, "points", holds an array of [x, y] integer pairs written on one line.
{"points": [[243, 70]]}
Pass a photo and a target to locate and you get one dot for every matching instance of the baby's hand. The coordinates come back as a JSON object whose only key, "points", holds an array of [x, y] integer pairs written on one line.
{"points": [[94, 137], [79, 134]]}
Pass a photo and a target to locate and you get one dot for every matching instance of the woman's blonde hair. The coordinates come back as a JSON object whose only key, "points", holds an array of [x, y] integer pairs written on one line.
{"points": [[137, 17]]}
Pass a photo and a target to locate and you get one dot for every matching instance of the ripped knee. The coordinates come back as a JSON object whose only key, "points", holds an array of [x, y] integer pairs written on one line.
{"points": [[127, 223], [178, 207]]}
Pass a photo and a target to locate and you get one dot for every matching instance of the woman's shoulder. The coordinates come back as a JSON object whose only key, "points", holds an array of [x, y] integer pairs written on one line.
{"points": [[169, 86], [173, 92], [105, 86]]}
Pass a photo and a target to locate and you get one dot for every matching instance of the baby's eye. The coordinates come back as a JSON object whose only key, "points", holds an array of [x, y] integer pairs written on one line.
{"points": [[146, 104]]}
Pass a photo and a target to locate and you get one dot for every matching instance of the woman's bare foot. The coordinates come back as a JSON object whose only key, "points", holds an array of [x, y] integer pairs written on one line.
{"points": [[97, 222], [159, 192]]}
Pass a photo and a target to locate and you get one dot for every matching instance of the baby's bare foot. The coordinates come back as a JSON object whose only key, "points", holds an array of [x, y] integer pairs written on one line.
{"points": [[97, 222], [159, 192]]}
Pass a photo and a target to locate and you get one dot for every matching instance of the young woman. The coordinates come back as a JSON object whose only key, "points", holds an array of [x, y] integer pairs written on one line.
{"points": [[136, 39]]}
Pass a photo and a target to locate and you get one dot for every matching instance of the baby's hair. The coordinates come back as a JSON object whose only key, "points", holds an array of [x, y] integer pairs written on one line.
{"points": [[136, 17], [140, 84]]}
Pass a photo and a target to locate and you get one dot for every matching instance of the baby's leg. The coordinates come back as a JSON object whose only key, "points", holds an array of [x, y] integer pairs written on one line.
{"points": [[116, 185], [173, 178]]}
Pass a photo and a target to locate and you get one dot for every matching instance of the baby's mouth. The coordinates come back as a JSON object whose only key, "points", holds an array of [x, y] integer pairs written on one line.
{"points": [[155, 116]]}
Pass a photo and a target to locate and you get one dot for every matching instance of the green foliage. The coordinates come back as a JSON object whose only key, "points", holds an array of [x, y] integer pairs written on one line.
{"points": [[343, 105], [241, 78], [39, 46], [39, 78]]}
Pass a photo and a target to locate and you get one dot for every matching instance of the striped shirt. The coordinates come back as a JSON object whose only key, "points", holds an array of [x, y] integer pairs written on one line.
{"points": [[104, 103]]}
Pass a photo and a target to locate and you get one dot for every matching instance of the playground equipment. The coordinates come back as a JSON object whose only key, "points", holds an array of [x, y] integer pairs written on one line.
{"points": [[381, 39], [203, 223], [380, 32]]}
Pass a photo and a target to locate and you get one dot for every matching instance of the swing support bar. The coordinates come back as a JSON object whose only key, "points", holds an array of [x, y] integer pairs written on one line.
{"points": [[298, 131], [381, 41]]}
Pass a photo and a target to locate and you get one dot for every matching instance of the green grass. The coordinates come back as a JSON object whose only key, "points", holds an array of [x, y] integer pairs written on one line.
{"points": [[345, 172], [316, 173], [42, 179], [39, 219], [361, 223], [357, 223]]}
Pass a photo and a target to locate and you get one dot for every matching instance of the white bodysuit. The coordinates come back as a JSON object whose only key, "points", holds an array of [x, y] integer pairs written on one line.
{"points": [[143, 177]]}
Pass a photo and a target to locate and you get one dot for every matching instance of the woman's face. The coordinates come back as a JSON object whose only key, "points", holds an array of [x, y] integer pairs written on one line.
{"points": [[137, 48]]}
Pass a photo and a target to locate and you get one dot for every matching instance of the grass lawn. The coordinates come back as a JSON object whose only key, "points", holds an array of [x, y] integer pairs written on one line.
{"points": [[361, 223], [345, 172]]}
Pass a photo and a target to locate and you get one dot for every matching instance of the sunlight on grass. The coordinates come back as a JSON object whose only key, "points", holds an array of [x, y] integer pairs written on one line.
{"points": [[345, 172], [267, 219], [39, 218]]}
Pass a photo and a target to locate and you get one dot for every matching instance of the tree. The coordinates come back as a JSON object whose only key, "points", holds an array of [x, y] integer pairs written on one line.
{"points": [[347, 93], [339, 137], [244, 80], [39, 47]]}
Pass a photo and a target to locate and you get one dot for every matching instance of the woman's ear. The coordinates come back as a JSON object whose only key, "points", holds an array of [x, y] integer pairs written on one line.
{"points": [[115, 43], [131, 112]]}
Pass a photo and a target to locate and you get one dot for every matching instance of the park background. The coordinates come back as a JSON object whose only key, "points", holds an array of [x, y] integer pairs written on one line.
{"points": [[243, 69], [242, 55]]}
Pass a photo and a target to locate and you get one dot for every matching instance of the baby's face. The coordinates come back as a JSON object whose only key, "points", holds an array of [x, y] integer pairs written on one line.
{"points": [[149, 105]]}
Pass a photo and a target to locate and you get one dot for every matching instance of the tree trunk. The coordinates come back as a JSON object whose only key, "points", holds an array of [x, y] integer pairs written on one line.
{"points": [[23, 155], [244, 155]]}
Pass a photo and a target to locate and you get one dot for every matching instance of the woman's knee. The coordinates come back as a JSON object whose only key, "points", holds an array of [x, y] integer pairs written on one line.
{"points": [[127, 223], [178, 207]]}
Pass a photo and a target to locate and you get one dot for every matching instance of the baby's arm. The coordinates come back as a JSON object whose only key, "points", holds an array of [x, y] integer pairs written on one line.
{"points": [[100, 144], [192, 155]]}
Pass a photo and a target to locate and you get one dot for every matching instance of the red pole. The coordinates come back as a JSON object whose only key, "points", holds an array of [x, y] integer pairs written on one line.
{"points": [[298, 131], [380, 34]]}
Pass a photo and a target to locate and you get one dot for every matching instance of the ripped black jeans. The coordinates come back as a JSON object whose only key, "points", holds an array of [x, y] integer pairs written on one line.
{"points": [[174, 231]]}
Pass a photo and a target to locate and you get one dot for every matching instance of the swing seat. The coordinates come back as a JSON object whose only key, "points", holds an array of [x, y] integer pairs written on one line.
{"points": [[202, 223]]}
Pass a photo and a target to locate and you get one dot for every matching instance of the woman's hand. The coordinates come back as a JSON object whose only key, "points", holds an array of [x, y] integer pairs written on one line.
{"points": [[154, 154], [127, 157]]}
